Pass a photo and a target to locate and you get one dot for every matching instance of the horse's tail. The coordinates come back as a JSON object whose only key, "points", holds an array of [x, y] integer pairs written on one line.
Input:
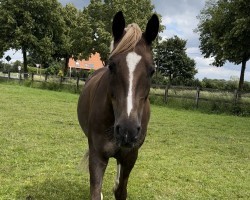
{"points": [[86, 160], [84, 164]]}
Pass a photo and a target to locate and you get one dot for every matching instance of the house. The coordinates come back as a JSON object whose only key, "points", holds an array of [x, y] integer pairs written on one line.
{"points": [[94, 62]]}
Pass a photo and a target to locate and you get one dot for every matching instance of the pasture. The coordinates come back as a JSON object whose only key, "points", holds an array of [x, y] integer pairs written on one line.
{"points": [[186, 155]]}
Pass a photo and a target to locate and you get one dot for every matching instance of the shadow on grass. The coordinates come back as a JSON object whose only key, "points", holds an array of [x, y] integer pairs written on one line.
{"points": [[54, 189]]}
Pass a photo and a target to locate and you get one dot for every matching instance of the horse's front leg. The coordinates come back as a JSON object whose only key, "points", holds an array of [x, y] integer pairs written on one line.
{"points": [[124, 167], [97, 167]]}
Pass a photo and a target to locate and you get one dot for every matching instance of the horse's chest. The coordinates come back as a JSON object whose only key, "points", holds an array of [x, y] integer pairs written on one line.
{"points": [[110, 149]]}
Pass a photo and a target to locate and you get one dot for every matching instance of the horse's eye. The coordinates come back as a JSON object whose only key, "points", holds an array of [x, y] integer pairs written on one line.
{"points": [[111, 66], [113, 95], [151, 71]]}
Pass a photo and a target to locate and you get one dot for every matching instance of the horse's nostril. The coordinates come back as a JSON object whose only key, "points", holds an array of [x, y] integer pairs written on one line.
{"points": [[138, 129], [117, 129]]}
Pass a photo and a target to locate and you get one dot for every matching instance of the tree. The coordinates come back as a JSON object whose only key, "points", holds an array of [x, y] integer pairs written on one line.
{"points": [[77, 37], [30, 26], [224, 33], [173, 61], [101, 13]]}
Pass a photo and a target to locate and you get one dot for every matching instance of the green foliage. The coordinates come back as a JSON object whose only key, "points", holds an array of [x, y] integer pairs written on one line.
{"points": [[83, 74], [159, 79], [173, 61], [224, 32], [34, 70], [219, 84], [230, 85], [91, 71], [46, 30], [32, 26], [60, 73], [15, 66], [77, 38], [5, 67], [54, 68]]}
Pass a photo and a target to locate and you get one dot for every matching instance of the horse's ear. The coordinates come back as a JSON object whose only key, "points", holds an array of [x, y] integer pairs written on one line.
{"points": [[152, 29], [118, 26]]}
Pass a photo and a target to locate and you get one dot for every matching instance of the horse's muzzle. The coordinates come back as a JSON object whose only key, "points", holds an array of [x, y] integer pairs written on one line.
{"points": [[127, 135]]}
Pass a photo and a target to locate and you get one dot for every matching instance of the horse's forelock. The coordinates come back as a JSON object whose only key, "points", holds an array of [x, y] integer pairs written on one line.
{"points": [[128, 42]]}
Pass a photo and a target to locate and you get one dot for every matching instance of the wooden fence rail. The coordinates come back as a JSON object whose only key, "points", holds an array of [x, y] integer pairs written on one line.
{"points": [[42, 78], [195, 93], [197, 96]]}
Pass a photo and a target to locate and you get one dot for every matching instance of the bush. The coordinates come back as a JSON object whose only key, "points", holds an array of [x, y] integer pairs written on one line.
{"points": [[34, 70], [52, 70], [16, 64], [159, 79], [4, 67], [82, 73], [223, 84], [231, 85], [246, 86]]}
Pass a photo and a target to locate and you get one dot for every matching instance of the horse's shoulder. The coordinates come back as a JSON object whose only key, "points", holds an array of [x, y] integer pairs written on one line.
{"points": [[97, 73]]}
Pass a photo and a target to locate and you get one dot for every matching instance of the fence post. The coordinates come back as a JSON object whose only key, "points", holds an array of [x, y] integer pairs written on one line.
{"points": [[46, 77], [32, 76], [166, 94], [197, 97], [61, 80], [77, 82], [8, 74], [236, 96], [20, 76]]}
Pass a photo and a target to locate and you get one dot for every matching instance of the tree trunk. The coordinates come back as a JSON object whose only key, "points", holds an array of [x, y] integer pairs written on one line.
{"points": [[25, 63], [66, 66], [242, 74]]}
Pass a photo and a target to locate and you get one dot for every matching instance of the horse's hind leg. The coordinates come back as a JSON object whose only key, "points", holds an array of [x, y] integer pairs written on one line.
{"points": [[97, 166], [124, 167]]}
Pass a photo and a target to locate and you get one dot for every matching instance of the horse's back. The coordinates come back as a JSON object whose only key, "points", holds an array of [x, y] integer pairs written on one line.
{"points": [[86, 99]]}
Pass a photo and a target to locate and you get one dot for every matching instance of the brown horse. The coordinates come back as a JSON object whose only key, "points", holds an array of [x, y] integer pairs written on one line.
{"points": [[113, 108]]}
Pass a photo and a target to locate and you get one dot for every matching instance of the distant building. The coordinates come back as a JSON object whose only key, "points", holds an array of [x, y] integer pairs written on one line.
{"points": [[94, 62]]}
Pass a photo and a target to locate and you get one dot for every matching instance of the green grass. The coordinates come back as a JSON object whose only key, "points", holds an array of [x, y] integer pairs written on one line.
{"points": [[186, 155]]}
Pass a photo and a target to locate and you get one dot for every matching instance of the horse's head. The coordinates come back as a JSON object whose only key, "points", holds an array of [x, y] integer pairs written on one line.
{"points": [[131, 67]]}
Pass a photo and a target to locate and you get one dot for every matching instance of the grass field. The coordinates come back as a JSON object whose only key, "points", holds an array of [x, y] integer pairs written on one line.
{"points": [[186, 155]]}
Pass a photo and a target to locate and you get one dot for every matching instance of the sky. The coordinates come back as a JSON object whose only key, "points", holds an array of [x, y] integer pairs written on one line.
{"points": [[179, 18]]}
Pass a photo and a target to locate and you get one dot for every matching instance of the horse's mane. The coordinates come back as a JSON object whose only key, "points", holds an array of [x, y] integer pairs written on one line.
{"points": [[130, 39]]}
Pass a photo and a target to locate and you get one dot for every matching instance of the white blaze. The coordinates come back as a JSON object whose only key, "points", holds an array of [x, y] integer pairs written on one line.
{"points": [[132, 60]]}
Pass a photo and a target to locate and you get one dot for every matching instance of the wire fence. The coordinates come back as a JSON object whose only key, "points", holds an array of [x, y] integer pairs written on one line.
{"points": [[195, 95], [76, 81]]}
